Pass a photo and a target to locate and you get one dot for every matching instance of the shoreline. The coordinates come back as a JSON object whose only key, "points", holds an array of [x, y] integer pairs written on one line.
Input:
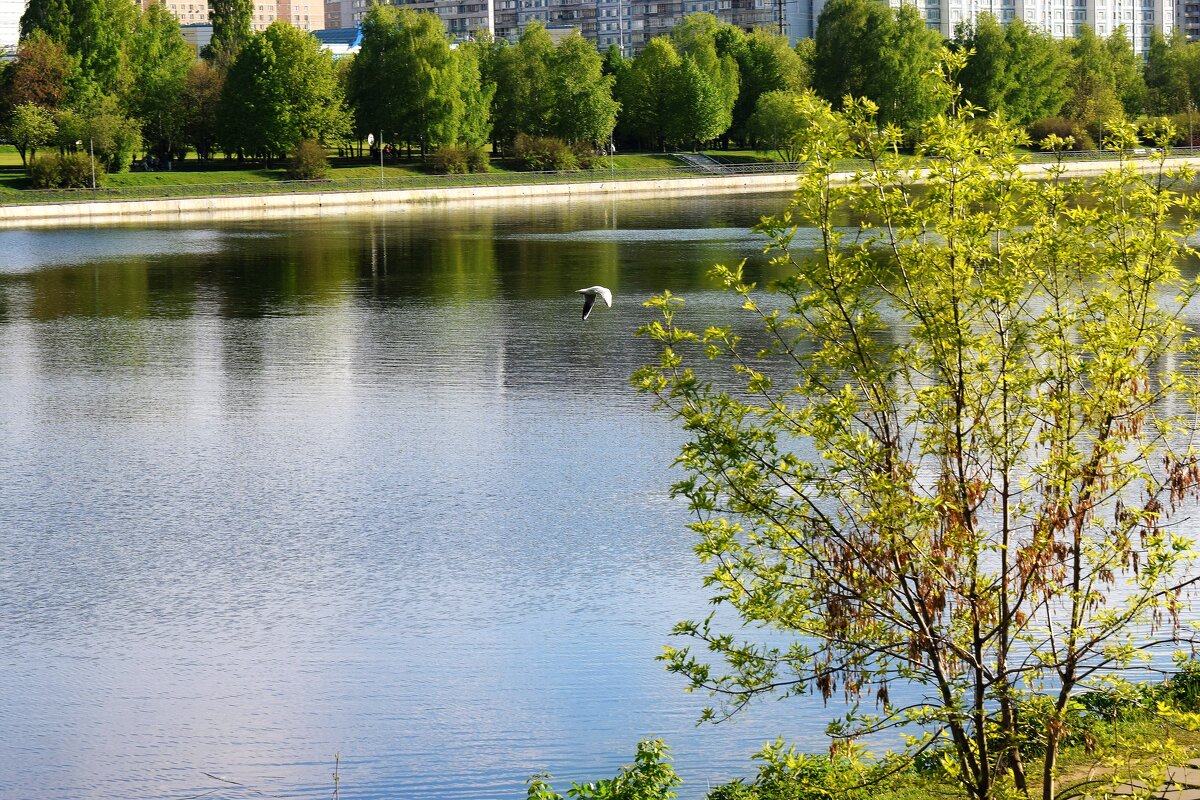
{"points": [[341, 203], [211, 208]]}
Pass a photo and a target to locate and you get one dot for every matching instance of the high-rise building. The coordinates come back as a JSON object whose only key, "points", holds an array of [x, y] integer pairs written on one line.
{"points": [[629, 24], [1060, 18], [10, 24]]}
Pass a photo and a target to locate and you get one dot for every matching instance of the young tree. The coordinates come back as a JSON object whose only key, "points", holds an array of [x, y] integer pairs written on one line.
{"points": [[711, 95], [954, 452], [648, 93], [778, 121], [41, 74], [1166, 73], [159, 60], [404, 78], [765, 64], [31, 127], [201, 102], [699, 110], [1094, 99], [584, 109], [528, 85], [1038, 74], [475, 95], [986, 79], [1127, 73]]}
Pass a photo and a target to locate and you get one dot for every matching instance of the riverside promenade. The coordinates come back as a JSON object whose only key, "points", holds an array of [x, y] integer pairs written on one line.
{"points": [[78, 208]]}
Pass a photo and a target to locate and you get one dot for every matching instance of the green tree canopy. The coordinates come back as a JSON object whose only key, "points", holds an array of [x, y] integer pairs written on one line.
{"points": [[865, 49], [201, 101], [159, 60], [1166, 73], [280, 90], [648, 94], [232, 22], [51, 17], [695, 39], [31, 127], [1093, 83], [94, 33], [765, 64], [778, 122], [405, 80], [1127, 73], [475, 94], [986, 79], [1039, 74], [584, 109]]}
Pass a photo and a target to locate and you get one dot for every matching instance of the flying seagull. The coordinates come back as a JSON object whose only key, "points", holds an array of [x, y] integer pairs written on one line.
{"points": [[589, 298]]}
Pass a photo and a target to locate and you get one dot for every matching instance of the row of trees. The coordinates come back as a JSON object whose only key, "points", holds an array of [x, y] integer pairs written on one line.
{"points": [[122, 78]]}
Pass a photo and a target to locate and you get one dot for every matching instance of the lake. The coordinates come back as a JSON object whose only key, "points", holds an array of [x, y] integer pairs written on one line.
{"points": [[362, 486]]}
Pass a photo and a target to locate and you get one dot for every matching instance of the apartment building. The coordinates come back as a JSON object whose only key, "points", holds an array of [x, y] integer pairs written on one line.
{"points": [[629, 24], [10, 24], [307, 15]]}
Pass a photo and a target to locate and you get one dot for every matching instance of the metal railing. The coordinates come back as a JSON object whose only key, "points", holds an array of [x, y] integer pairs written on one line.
{"points": [[480, 179]]}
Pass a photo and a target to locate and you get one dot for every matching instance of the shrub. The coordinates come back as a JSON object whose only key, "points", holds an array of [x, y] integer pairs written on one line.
{"points": [[450, 159], [308, 162], [585, 154], [542, 153], [1060, 126], [70, 171], [477, 159], [459, 159]]}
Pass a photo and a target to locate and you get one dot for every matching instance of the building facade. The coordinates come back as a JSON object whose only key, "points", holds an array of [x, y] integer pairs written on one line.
{"points": [[307, 15], [10, 24], [629, 24], [1060, 18]]}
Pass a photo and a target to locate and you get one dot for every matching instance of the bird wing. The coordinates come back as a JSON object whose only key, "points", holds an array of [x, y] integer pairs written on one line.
{"points": [[589, 300], [606, 294]]}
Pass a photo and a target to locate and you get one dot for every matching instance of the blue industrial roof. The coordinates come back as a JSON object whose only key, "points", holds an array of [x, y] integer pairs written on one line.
{"points": [[349, 37]]}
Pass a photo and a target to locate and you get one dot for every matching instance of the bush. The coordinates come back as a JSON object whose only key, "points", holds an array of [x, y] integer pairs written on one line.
{"points": [[785, 774], [308, 162], [450, 159], [477, 159], [70, 171], [543, 153], [585, 154], [1060, 126], [459, 159]]}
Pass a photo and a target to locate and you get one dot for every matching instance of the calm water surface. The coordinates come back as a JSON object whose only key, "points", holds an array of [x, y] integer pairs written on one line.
{"points": [[365, 486]]}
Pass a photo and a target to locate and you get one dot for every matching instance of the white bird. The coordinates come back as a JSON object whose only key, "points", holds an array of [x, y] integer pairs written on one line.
{"points": [[589, 298]]}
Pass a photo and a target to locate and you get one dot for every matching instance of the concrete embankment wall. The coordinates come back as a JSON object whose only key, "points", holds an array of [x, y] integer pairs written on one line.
{"points": [[309, 204], [313, 204]]}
